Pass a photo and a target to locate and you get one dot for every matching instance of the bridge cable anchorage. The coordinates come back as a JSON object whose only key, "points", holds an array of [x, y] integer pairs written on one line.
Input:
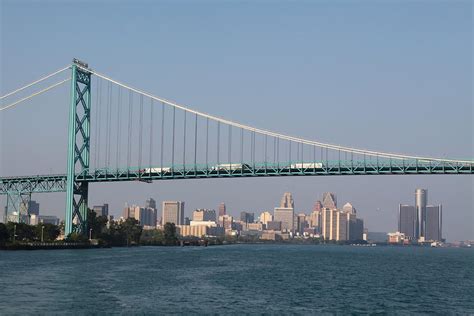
{"points": [[35, 82], [327, 146], [34, 94]]}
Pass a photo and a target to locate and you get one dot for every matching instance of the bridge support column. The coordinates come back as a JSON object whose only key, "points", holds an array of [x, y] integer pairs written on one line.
{"points": [[78, 149]]}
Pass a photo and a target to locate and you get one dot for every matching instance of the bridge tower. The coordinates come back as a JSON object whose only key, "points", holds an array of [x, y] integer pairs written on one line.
{"points": [[78, 149]]}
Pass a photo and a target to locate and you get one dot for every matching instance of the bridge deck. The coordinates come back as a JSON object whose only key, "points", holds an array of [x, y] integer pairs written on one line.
{"points": [[57, 183]]}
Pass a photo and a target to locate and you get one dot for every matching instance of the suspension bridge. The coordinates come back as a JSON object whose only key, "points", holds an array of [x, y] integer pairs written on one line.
{"points": [[125, 134]]}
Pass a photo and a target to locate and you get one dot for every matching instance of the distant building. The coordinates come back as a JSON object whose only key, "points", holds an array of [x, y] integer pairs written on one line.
{"points": [[301, 223], [434, 222], [287, 201], [407, 220], [226, 221], [33, 207], [101, 210], [150, 203], [274, 225], [286, 217], [247, 217], [349, 208], [204, 215], [145, 216], [255, 226], [172, 212], [334, 224], [315, 220], [222, 209], [421, 197], [318, 206], [396, 238], [265, 217], [329, 200]]}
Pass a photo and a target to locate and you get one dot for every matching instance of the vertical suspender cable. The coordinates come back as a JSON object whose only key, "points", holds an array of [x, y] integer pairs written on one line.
{"points": [[130, 116], [207, 143], [242, 146], [195, 141], [162, 135], [109, 117], [184, 142], [172, 146], [265, 151], [229, 153], [140, 136], [218, 143], [119, 127], [151, 133], [100, 125], [96, 124]]}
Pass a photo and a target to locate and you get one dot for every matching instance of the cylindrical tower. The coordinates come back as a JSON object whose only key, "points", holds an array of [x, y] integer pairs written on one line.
{"points": [[421, 196]]}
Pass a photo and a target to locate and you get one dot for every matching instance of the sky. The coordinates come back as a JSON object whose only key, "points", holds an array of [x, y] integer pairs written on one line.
{"points": [[391, 76]]}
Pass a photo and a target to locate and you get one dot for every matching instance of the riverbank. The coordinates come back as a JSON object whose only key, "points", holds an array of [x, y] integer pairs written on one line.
{"points": [[49, 246]]}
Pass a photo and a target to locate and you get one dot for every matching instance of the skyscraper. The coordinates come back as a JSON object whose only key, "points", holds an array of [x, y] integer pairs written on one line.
{"points": [[421, 196], [329, 200], [349, 208], [407, 220], [150, 203], [204, 215], [173, 212], [247, 217], [318, 206], [434, 222], [285, 215], [266, 217], [222, 209], [287, 201], [101, 210]]}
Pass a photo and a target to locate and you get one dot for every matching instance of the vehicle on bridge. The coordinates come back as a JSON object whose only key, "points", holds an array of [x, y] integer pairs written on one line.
{"points": [[306, 165], [156, 170], [230, 166]]}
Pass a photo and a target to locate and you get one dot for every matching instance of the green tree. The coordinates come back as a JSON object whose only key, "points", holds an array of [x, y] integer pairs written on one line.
{"points": [[98, 224], [50, 232], [4, 235], [170, 236], [132, 229], [22, 232], [152, 237]]}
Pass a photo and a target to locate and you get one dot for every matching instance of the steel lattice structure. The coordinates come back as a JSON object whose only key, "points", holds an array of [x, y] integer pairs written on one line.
{"points": [[195, 146]]}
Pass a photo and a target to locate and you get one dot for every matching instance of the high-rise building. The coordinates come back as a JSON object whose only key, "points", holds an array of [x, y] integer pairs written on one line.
{"points": [[150, 203], [287, 201], [315, 220], [407, 220], [356, 229], [318, 206], [266, 217], [247, 217], [421, 196], [301, 223], [329, 200], [101, 210], [204, 215], [349, 208], [172, 212], [222, 209], [334, 224], [285, 215], [145, 216], [434, 223], [226, 221], [33, 207]]}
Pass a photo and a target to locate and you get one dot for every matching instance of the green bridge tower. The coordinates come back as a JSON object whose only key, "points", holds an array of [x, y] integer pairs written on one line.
{"points": [[78, 149]]}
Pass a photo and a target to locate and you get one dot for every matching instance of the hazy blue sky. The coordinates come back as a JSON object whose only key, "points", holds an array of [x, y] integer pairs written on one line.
{"points": [[393, 76]]}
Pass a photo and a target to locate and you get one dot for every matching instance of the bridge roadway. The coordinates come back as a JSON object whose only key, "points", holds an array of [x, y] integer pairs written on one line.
{"points": [[57, 183]]}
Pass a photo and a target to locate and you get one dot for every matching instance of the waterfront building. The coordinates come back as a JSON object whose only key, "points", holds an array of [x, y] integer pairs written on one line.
{"points": [[315, 220], [287, 201], [222, 209], [145, 216], [421, 197], [434, 222], [254, 226], [204, 215], [101, 210], [265, 217], [396, 238], [329, 200], [247, 217], [334, 224], [286, 217], [226, 221], [407, 220], [172, 212]]}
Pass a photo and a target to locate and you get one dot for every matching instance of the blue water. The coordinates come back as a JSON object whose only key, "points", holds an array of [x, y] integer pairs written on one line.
{"points": [[238, 279]]}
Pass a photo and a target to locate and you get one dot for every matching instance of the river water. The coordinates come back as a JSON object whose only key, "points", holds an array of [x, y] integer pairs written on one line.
{"points": [[238, 279]]}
